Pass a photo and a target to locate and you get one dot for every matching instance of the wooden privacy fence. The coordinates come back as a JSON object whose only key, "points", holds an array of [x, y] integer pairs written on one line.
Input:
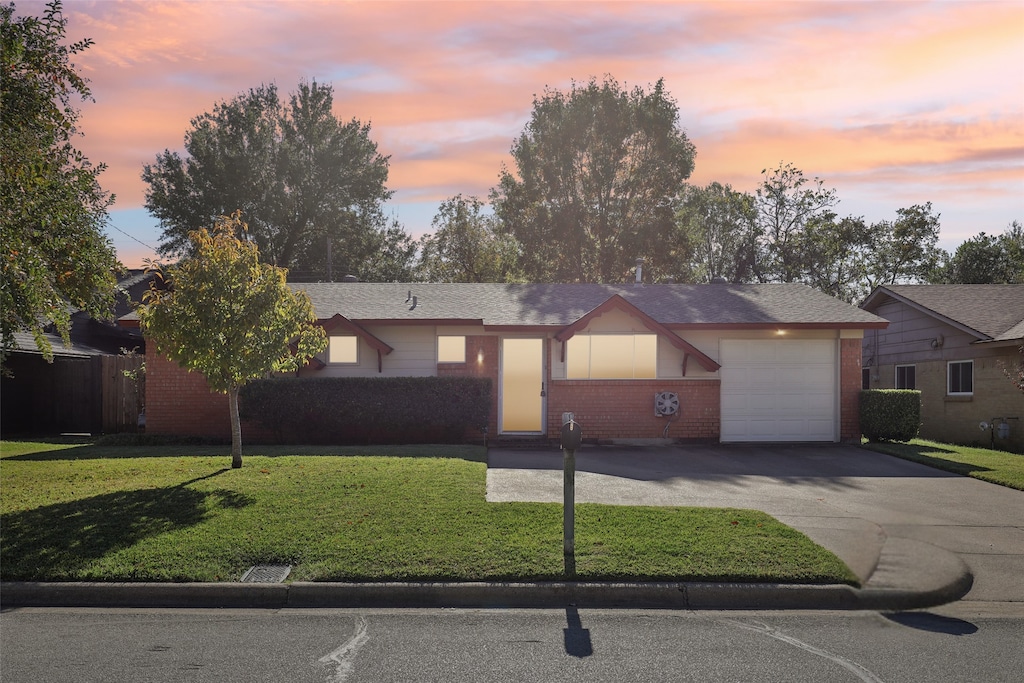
{"points": [[122, 382], [83, 394]]}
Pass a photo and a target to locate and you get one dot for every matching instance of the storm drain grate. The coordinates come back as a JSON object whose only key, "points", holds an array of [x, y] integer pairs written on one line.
{"points": [[267, 573]]}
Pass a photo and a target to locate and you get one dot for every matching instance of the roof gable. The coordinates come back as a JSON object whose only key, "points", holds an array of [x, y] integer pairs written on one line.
{"points": [[616, 302]]}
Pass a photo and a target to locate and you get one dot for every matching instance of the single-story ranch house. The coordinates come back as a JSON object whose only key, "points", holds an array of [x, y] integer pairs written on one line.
{"points": [[714, 362]]}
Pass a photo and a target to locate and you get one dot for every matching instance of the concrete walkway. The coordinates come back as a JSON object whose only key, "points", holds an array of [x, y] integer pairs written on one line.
{"points": [[898, 525]]}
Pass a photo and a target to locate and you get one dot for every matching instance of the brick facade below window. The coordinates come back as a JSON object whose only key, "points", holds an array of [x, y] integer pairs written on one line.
{"points": [[624, 409]]}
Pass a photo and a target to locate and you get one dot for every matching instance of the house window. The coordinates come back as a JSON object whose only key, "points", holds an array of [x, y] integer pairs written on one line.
{"points": [[960, 378], [906, 377], [343, 350], [612, 356], [865, 378], [451, 349]]}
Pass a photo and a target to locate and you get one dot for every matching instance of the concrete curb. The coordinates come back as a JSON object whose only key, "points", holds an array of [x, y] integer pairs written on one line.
{"points": [[692, 596]]}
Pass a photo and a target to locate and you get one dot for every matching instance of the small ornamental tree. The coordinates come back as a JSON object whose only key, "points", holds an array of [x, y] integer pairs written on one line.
{"points": [[222, 313]]}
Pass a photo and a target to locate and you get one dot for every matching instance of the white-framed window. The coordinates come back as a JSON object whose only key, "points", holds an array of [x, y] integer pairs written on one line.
{"points": [[906, 377], [960, 378], [612, 356], [343, 350], [451, 349]]}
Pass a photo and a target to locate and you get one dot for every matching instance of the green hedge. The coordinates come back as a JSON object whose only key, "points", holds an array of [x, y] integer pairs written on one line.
{"points": [[890, 414], [369, 410]]}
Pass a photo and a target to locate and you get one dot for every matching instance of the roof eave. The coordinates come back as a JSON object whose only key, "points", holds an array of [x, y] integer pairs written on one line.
{"points": [[875, 296]]}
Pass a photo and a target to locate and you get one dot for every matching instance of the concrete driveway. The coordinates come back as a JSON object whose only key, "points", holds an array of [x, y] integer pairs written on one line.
{"points": [[892, 521]]}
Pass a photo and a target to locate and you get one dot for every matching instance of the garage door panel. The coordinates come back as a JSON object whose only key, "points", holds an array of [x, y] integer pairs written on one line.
{"points": [[755, 404], [778, 390], [777, 430]]}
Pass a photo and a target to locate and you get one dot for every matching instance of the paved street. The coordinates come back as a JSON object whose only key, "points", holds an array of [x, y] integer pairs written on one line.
{"points": [[598, 646]]}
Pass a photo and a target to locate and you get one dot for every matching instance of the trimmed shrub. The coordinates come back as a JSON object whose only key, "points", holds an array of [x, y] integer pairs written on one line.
{"points": [[369, 410], [890, 414]]}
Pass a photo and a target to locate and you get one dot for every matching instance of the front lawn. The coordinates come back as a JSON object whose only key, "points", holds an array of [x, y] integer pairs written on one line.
{"points": [[179, 513], [998, 467]]}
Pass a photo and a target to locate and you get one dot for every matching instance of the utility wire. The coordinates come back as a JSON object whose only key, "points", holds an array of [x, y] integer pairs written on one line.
{"points": [[133, 237]]}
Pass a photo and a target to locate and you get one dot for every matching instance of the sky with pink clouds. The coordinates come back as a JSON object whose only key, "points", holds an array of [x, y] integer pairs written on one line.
{"points": [[890, 103]]}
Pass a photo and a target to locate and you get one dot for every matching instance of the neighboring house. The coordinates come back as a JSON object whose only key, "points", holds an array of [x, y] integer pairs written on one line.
{"points": [[714, 362], [84, 389], [952, 342]]}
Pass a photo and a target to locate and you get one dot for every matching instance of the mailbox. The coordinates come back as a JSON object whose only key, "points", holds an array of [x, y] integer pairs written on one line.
{"points": [[572, 435]]}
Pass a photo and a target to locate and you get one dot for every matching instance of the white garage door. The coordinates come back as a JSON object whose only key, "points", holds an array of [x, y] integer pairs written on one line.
{"points": [[778, 390]]}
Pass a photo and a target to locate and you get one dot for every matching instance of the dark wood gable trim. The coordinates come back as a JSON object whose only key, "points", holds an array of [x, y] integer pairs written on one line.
{"points": [[616, 302], [341, 322]]}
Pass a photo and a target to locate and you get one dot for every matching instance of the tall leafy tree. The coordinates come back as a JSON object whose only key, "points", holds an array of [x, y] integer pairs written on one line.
{"points": [[392, 256], [597, 170], [467, 247], [836, 255], [53, 251], [299, 175], [904, 250], [987, 259], [786, 201], [224, 314], [714, 237]]}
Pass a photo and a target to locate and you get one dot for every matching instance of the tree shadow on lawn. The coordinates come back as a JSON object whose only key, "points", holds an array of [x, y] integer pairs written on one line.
{"points": [[56, 542], [928, 455]]}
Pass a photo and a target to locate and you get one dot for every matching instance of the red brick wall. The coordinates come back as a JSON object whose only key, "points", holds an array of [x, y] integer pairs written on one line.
{"points": [[849, 390], [179, 402], [481, 361], [617, 409]]}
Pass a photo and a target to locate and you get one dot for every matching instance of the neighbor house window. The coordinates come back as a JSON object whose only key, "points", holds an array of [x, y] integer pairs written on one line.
{"points": [[343, 350], [960, 376], [612, 356], [451, 349], [906, 377]]}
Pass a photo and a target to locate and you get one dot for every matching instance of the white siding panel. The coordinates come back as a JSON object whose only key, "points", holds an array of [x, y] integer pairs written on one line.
{"points": [[778, 390]]}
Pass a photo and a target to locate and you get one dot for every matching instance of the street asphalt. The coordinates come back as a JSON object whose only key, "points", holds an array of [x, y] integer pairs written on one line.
{"points": [[917, 537]]}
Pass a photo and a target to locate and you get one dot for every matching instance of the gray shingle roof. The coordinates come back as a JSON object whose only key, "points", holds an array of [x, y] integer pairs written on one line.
{"points": [[995, 312], [496, 304]]}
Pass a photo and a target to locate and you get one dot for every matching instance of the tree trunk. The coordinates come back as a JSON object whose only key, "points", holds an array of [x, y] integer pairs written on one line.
{"points": [[236, 427]]}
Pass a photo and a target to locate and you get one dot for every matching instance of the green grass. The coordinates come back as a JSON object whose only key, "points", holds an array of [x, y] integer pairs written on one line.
{"points": [[997, 467], [179, 513]]}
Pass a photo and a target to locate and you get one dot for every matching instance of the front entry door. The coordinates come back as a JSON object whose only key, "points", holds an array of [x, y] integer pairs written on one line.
{"points": [[522, 385]]}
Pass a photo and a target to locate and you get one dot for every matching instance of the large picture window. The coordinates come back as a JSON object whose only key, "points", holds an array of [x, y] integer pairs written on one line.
{"points": [[906, 377], [960, 376], [612, 356]]}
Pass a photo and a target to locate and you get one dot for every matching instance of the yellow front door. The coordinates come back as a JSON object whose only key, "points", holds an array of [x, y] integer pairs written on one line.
{"points": [[522, 385]]}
